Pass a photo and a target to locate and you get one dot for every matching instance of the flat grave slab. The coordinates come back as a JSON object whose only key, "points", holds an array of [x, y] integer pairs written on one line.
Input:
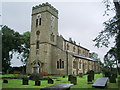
{"points": [[100, 82], [58, 86]]}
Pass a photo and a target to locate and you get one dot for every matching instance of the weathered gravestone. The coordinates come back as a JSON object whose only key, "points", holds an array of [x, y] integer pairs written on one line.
{"points": [[112, 79], [25, 81], [107, 74], [91, 72], [50, 81], [80, 75], [89, 79], [37, 83], [115, 75], [63, 76], [69, 77], [73, 80], [5, 81]]}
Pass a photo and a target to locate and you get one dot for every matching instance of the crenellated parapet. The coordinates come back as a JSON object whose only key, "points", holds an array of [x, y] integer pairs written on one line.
{"points": [[45, 7]]}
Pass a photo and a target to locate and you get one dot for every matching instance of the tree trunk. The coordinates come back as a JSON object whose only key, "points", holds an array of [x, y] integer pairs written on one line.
{"points": [[117, 7]]}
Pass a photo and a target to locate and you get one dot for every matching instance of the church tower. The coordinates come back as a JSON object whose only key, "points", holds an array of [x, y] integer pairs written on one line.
{"points": [[44, 32]]}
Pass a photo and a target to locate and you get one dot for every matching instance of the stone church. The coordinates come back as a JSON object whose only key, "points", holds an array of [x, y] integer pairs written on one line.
{"points": [[53, 53]]}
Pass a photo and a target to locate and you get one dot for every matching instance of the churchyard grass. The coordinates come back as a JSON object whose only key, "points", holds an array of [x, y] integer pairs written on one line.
{"points": [[12, 75], [81, 82]]}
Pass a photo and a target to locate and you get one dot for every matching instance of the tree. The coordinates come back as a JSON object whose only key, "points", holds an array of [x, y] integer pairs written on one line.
{"points": [[25, 47], [110, 59], [111, 29], [94, 56], [10, 43]]}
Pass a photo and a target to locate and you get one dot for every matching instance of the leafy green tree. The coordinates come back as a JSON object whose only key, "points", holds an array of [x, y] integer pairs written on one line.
{"points": [[111, 29], [94, 56], [26, 47], [10, 43]]}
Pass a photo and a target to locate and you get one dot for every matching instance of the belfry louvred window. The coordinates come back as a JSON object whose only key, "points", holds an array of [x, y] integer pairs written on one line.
{"points": [[39, 21], [36, 22]]}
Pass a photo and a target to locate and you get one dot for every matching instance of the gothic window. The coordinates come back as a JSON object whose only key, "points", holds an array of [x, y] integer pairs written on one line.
{"points": [[80, 65], [74, 64], [67, 47], [74, 49], [37, 45], [36, 22], [39, 21], [60, 64]]}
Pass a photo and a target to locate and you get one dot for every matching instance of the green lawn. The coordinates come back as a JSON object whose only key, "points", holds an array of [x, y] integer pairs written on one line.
{"points": [[12, 75], [81, 82]]}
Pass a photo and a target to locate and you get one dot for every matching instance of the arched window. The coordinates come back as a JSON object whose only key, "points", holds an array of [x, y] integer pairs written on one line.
{"points": [[74, 64], [74, 49], [39, 21], [80, 63], [36, 22], [60, 64], [67, 46], [37, 45]]}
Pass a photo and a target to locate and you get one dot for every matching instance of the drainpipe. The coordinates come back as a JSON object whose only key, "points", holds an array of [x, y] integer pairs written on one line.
{"points": [[67, 61]]}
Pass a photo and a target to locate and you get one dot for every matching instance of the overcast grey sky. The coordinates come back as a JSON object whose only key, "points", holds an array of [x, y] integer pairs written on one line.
{"points": [[82, 21]]}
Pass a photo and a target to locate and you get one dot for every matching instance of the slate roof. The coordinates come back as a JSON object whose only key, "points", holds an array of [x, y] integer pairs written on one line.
{"points": [[83, 57]]}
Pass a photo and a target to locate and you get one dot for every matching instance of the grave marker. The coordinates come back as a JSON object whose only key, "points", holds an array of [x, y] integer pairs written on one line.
{"points": [[25, 81], [73, 80], [50, 81], [37, 83], [5, 81]]}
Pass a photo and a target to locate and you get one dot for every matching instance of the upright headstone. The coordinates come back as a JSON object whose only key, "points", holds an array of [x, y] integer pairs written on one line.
{"points": [[5, 81], [25, 81], [107, 74], [80, 75], [63, 76], [89, 79], [91, 72], [37, 83], [73, 80], [50, 81], [69, 77], [112, 79]]}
